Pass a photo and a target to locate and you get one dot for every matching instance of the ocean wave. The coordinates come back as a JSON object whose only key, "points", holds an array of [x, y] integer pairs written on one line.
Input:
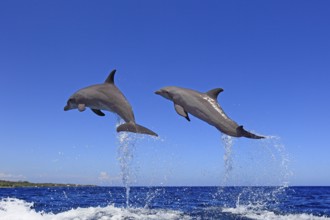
{"points": [[16, 209], [257, 213]]}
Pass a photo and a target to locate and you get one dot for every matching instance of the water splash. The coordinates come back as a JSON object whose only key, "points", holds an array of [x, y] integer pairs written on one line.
{"points": [[65, 195], [227, 142], [255, 163], [281, 157], [274, 161], [152, 194], [126, 150]]}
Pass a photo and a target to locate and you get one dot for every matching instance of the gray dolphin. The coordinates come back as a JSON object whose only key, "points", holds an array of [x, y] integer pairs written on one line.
{"points": [[205, 107], [107, 96]]}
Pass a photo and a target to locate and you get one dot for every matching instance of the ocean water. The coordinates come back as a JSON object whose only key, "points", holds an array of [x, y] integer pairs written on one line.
{"points": [[87, 203]]}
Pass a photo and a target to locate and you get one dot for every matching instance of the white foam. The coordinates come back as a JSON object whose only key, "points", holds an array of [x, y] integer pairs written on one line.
{"points": [[16, 209], [254, 212]]}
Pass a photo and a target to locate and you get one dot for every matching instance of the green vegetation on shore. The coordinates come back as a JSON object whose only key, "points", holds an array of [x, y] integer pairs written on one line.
{"points": [[12, 184]]}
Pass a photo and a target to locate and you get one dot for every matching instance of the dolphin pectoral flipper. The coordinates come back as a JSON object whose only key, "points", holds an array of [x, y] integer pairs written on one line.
{"points": [[135, 128], [81, 107], [213, 93], [179, 109], [242, 132], [98, 112]]}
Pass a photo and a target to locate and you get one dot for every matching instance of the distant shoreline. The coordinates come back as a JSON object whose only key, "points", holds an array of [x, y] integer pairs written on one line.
{"points": [[16, 184]]}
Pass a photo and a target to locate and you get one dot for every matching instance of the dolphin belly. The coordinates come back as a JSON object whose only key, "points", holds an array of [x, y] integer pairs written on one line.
{"points": [[215, 119]]}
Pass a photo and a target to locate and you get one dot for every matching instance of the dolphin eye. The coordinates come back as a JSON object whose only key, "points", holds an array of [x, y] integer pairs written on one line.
{"points": [[167, 94]]}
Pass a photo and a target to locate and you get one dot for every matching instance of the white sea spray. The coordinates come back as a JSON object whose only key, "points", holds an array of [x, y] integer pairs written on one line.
{"points": [[126, 150], [16, 209]]}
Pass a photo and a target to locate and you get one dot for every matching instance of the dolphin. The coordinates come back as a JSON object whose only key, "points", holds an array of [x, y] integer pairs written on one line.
{"points": [[107, 96], [205, 107]]}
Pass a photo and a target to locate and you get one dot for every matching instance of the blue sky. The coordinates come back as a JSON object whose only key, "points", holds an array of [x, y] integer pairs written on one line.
{"points": [[270, 57]]}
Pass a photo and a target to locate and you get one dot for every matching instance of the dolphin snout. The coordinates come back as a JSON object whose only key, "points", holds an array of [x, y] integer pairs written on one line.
{"points": [[158, 92], [66, 108]]}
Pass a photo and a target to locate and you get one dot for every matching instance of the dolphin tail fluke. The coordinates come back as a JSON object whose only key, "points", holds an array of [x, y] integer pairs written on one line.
{"points": [[135, 128], [243, 133]]}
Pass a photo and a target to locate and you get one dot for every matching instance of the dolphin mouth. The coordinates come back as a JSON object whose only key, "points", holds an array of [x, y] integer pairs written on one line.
{"points": [[158, 92], [66, 108]]}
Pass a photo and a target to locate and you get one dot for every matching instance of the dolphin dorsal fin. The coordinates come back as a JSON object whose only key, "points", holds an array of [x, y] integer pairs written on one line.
{"points": [[213, 93], [111, 77]]}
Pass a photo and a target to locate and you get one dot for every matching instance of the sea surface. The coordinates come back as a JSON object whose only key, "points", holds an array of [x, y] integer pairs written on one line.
{"points": [[87, 203]]}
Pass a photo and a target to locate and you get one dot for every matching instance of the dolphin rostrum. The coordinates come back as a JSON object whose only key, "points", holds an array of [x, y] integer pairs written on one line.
{"points": [[205, 107], [107, 96]]}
